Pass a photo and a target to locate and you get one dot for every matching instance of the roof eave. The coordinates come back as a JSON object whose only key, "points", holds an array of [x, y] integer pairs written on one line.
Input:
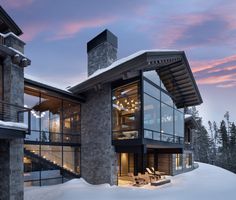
{"points": [[10, 22]]}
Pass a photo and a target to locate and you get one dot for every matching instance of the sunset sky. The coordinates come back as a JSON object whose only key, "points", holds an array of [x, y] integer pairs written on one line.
{"points": [[56, 32]]}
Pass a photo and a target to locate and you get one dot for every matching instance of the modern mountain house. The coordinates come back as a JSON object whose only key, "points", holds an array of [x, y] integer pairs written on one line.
{"points": [[127, 115]]}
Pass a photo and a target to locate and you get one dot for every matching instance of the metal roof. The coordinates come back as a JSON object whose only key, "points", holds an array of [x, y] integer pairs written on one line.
{"points": [[172, 67]]}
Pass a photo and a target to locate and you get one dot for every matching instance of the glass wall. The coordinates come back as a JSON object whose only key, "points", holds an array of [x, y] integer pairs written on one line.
{"points": [[126, 112], [54, 142], [1, 81], [178, 162], [188, 160], [162, 121]]}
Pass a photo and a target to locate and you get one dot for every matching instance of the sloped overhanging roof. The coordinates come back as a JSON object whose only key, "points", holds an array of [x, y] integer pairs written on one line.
{"points": [[172, 67], [7, 24]]}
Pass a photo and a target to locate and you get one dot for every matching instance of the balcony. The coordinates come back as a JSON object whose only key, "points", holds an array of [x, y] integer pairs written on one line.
{"points": [[14, 120]]}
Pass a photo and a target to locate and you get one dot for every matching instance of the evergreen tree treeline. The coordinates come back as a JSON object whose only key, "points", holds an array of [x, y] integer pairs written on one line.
{"points": [[216, 144]]}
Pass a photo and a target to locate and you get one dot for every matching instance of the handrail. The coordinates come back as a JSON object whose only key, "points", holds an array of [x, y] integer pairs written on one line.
{"points": [[14, 113], [15, 105], [166, 134]]}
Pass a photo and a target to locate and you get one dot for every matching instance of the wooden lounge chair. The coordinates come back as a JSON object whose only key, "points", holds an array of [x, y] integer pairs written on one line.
{"points": [[158, 172], [150, 172], [137, 180]]}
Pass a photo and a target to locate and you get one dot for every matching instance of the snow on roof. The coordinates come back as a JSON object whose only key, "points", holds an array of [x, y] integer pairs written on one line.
{"points": [[10, 33], [123, 60], [44, 82], [13, 125], [186, 116], [17, 51]]}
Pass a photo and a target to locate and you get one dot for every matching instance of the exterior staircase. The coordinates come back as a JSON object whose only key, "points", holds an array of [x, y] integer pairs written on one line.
{"points": [[50, 165]]}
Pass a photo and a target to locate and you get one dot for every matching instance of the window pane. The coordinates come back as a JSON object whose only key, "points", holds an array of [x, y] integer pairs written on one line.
{"points": [[179, 123], [32, 100], [71, 158], [152, 76], [125, 91], [1, 81], [151, 90], [151, 113], [166, 99], [126, 112], [32, 167], [163, 86], [52, 153], [51, 111], [167, 119], [178, 161], [71, 122]]}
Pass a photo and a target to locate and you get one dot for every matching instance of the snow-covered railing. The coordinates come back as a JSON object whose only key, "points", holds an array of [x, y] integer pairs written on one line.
{"points": [[14, 116]]}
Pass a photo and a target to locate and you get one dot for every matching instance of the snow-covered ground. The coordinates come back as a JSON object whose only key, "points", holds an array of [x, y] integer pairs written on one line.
{"points": [[205, 183]]}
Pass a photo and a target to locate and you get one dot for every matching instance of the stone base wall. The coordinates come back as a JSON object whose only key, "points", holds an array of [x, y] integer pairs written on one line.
{"points": [[98, 157], [11, 169]]}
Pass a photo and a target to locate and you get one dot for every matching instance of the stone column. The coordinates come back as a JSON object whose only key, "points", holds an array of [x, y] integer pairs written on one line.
{"points": [[98, 156], [11, 150], [11, 169]]}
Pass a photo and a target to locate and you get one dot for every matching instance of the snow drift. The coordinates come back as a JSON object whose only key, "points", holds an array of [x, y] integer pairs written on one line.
{"points": [[206, 182]]}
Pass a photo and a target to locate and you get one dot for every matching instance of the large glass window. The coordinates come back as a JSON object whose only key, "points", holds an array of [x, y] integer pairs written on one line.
{"points": [[179, 123], [52, 148], [71, 159], [178, 162], [167, 119], [166, 99], [1, 81], [151, 113], [162, 121], [71, 122], [152, 76], [151, 90], [126, 112], [32, 100], [188, 160], [51, 114]]}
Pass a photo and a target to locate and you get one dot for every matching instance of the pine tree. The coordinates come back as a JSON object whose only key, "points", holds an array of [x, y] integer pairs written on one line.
{"points": [[223, 159], [202, 144], [232, 146]]}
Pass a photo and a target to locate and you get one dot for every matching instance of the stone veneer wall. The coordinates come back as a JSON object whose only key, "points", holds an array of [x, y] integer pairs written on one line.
{"points": [[101, 57], [13, 82], [98, 157], [11, 169], [11, 150]]}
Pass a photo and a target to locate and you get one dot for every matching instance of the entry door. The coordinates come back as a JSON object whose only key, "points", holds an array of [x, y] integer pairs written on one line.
{"points": [[126, 164]]}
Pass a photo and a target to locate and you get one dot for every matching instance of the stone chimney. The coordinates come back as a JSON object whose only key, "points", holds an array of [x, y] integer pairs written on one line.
{"points": [[102, 51]]}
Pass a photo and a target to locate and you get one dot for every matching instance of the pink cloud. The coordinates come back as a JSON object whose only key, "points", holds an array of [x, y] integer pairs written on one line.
{"points": [[33, 30], [177, 30], [222, 79], [199, 66], [16, 3], [228, 85], [222, 69], [70, 29]]}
